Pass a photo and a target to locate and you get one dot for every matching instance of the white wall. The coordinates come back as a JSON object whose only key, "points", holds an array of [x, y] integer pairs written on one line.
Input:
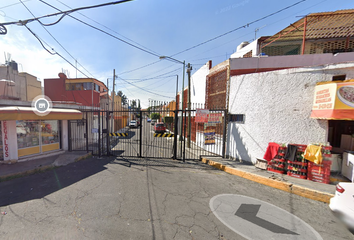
{"points": [[277, 107], [198, 84], [253, 46], [289, 61]]}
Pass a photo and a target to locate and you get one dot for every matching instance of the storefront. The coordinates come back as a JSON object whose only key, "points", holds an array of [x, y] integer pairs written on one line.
{"points": [[334, 101], [24, 134]]}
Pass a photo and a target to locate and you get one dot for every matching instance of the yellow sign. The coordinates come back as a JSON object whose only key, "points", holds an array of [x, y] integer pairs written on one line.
{"points": [[334, 101]]}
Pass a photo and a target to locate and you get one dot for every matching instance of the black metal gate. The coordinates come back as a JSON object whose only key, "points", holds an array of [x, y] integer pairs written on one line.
{"points": [[181, 139], [77, 135], [104, 132]]}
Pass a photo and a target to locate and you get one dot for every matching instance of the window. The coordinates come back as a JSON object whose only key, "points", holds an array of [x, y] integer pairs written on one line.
{"points": [[88, 86], [79, 86], [338, 77], [27, 133], [97, 88], [50, 131], [237, 118]]}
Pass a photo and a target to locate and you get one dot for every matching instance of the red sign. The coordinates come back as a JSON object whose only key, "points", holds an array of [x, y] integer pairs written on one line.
{"points": [[202, 116], [6, 139]]}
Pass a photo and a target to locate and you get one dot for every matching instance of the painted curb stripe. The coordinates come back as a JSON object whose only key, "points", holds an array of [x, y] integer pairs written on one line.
{"points": [[287, 187]]}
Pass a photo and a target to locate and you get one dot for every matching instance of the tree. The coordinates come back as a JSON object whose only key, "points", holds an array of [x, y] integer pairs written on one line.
{"points": [[155, 115], [123, 97], [133, 104]]}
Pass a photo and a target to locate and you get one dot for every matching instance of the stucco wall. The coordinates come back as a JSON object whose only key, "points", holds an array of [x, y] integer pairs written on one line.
{"points": [[277, 107]]}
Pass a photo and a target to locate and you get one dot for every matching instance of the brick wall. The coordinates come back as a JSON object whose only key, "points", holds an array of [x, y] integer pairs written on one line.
{"points": [[216, 87]]}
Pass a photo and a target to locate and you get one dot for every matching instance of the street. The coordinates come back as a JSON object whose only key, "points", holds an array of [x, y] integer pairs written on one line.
{"points": [[134, 198]]}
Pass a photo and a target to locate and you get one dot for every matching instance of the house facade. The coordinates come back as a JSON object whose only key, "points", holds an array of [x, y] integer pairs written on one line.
{"points": [[277, 106]]}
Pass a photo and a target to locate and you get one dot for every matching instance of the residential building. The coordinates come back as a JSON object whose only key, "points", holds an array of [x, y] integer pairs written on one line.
{"points": [[278, 106], [18, 85]]}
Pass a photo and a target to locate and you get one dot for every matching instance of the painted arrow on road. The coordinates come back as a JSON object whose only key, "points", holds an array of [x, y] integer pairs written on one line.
{"points": [[249, 212]]}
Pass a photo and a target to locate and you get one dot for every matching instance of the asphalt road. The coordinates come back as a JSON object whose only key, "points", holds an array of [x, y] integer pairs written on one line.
{"points": [[120, 198]]}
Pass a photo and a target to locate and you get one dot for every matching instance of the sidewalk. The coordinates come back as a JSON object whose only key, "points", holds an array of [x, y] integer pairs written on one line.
{"points": [[302, 187], [30, 166]]}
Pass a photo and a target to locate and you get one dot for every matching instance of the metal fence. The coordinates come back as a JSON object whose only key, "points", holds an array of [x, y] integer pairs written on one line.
{"points": [[110, 130]]}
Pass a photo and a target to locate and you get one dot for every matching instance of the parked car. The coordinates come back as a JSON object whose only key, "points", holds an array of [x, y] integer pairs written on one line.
{"points": [[342, 204], [159, 127], [148, 120], [133, 124], [153, 121]]}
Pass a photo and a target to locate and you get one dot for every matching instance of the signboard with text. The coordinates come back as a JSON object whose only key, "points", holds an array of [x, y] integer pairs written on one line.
{"points": [[334, 101], [202, 116], [215, 118]]}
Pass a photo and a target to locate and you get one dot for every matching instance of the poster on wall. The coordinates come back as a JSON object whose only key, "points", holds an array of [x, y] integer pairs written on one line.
{"points": [[209, 137]]}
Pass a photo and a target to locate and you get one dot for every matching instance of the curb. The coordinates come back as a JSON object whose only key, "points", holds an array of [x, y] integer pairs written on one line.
{"points": [[287, 187], [87, 155], [25, 173]]}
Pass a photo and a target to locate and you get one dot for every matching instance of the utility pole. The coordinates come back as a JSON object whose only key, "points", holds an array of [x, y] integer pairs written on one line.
{"points": [[189, 69], [113, 95]]}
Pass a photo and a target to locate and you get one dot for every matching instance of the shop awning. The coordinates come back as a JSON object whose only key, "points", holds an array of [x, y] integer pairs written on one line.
{"points": [[26, 113], [334, 101]]}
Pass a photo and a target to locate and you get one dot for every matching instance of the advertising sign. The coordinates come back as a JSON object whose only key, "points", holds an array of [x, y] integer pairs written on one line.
{"points": [[202, 116], [334, 101], [209, 137], [215, 118]]}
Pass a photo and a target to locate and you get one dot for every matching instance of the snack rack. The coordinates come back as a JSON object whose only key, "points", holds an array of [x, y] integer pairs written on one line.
{"points": [[277, 164], [298, 167]]}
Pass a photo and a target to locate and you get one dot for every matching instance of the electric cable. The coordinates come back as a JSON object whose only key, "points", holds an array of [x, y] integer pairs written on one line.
{"points": [[55, 39], [22, 22], [238, 28], [107, 27], [200, 44], [147, 90], [98, 29]]}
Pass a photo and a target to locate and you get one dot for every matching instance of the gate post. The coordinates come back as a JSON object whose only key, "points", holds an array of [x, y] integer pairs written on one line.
{"points": [[175, 135], [107, 134], [224, 134], [99, 133], [69, 135], [141, 133], [87, 143]]}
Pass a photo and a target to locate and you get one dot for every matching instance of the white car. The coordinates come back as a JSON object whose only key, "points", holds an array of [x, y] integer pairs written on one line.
{"points": [[342, 204], [133, 123]]}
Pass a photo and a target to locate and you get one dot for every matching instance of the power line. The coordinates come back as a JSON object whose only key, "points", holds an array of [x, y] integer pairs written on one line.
{"points": [[98, 29], [13, 4], [146, 90], [24, 22], [54, 38], [244, 26], [109, 28]]}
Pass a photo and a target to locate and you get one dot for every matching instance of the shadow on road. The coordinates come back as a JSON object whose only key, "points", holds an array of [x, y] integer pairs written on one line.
{"points": [[39, 185]]}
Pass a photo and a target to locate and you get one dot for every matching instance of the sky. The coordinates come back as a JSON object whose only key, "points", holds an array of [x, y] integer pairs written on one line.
{"points": [[129, 37]]}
